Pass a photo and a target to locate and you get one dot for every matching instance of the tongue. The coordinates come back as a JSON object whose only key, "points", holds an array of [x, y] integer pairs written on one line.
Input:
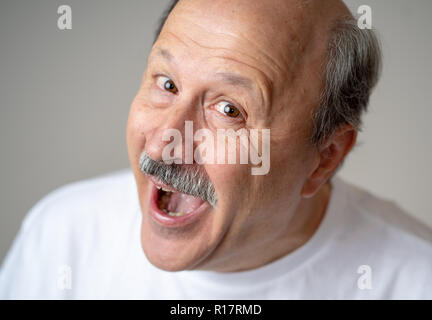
{"points": [[181, 202]]}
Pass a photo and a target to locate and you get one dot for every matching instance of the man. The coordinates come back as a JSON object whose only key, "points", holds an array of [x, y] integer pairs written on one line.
{"points": [[300, 69]]}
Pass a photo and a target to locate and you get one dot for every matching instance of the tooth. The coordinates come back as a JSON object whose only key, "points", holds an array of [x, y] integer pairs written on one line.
{"points": [[165, 189], [158, 187], [176, 214]]}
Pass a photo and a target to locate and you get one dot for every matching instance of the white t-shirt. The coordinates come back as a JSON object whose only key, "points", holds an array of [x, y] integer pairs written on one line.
{"points": [[83, 241]]}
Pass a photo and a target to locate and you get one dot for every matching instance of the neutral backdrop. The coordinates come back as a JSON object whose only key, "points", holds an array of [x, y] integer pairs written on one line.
{"points": [[65, 95]]}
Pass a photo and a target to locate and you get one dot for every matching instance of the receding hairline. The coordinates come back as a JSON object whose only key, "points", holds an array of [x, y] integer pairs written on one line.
{"points": [[356, 55]]}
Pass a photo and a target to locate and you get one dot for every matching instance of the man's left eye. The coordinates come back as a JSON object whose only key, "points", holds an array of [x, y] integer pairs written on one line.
{"points": [[227, 109], [167, 84]]}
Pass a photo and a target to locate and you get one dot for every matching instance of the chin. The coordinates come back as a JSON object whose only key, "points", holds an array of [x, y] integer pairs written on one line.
{"points": [[171, 251]]}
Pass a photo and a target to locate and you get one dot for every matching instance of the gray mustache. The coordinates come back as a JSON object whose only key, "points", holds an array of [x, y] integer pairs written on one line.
{"points": [[186, 179]]}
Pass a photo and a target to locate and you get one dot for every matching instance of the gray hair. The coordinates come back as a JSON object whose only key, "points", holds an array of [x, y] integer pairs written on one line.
{"points": [[187, 179], [351, 72]]}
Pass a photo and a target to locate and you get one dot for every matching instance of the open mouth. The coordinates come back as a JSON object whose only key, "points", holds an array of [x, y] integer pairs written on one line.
{"points": [[177, 204], [174, 208]]}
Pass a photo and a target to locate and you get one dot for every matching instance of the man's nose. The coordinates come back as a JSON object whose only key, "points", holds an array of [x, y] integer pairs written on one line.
{"points": [[174, 119]]}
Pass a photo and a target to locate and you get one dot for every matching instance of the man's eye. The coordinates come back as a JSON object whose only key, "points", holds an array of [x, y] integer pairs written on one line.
{"points": [[167, 84], [227, 109]]}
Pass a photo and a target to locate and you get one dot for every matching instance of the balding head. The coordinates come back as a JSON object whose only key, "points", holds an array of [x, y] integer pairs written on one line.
{"points": [[288, 37], [352, 57]]}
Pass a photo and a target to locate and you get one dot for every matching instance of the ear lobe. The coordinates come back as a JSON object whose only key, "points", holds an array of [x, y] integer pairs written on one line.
{"points": [[331, 154]]}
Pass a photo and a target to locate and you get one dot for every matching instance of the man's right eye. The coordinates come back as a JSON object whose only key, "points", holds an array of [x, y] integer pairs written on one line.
{"points": [[167, 84]]}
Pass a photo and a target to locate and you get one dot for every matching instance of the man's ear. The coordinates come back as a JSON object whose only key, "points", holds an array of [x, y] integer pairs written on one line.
{"points": [[331, 153]]}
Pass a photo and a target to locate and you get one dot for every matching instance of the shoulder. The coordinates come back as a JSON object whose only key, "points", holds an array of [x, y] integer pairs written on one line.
{"points": [[85, 199], [387, 216], [396, 246], [83, 227]]}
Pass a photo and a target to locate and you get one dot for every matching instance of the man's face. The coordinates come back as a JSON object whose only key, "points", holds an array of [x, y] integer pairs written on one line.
{"points": [[219, 53]]}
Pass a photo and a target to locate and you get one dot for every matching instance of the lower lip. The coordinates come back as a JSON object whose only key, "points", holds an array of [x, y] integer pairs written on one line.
{"points": [[166, 220]]}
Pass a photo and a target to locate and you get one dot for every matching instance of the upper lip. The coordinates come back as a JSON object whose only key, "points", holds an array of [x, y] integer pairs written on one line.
{"points": [[161, 185]]}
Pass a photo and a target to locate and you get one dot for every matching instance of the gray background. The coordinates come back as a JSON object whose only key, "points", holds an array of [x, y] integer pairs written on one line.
{"points": [[65, 95]]}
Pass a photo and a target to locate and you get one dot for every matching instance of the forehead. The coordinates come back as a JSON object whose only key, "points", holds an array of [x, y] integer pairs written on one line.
{"points": [[275, 49], [253, 31]]}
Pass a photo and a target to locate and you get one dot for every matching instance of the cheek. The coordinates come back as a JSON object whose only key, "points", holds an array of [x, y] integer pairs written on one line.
{"points": [[290, 165], [290, 146], [232, 192], [137, 126]]}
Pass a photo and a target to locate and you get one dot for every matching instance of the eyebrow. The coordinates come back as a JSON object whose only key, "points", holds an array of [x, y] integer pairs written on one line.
{"points": [[235, 79], [228, 77], [166, 54]]}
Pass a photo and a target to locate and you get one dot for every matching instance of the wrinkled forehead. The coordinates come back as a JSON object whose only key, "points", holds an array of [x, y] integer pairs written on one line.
{"points": [[274, 32], [282, 39], [281, 44]]}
